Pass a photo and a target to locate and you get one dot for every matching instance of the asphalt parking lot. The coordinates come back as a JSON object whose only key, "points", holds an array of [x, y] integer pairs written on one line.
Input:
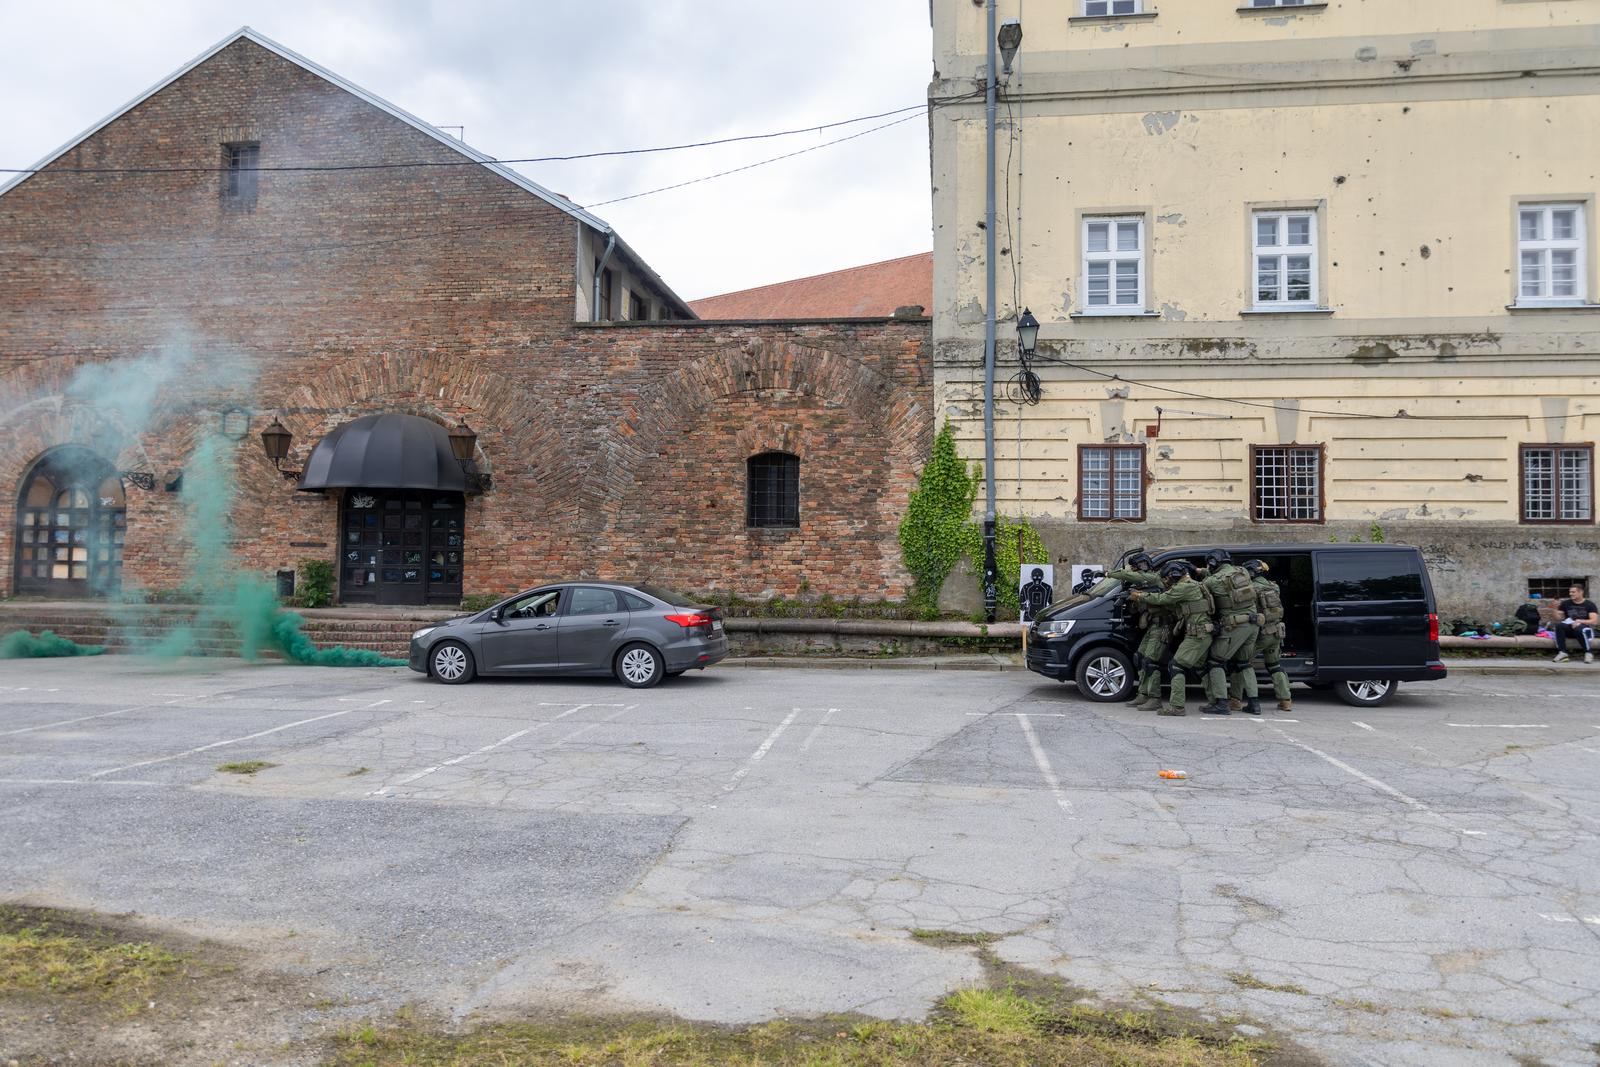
{"points": [[1416, 884]]}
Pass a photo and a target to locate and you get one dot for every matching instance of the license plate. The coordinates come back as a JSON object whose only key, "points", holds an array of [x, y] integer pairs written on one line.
{"points": [[716, 625]]}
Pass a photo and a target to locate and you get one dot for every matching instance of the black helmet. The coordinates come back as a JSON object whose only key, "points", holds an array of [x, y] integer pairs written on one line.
{"points": [[1256, 567], [1175, 569], [1217, 557], [1141, 561]]}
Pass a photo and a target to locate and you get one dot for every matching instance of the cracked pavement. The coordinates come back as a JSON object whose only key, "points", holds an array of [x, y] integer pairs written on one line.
{"points": [[1416, 884]]}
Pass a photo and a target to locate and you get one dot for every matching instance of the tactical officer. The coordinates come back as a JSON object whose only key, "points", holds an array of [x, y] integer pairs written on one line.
{"points": [[1192, 604], [1238, 623], [1269, 645], [1157, 625]]}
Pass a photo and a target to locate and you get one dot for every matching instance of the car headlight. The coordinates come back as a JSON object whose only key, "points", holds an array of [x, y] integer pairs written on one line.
{"points": [[1056, 628], [424, 632]]}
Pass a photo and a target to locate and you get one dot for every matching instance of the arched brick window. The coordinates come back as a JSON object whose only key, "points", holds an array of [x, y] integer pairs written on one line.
{"points": [[71, 517], [772, 490]]}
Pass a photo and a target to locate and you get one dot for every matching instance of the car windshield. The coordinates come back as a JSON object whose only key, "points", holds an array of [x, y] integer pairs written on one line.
{"points": [[1101, 588], [670, 597]]}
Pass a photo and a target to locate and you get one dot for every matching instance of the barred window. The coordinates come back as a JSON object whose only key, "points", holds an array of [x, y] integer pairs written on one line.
{"points": [[1554, 588], [240, 178], [772, 493], [1286, 484], [1111, 483], [1557, 483]]}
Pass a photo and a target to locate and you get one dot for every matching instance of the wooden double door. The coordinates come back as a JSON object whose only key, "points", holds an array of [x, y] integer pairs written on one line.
{"points": [[401, 546]]}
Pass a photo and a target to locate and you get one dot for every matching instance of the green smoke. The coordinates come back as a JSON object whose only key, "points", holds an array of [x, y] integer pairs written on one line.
{"points": [[234, 602], [23, 645]]}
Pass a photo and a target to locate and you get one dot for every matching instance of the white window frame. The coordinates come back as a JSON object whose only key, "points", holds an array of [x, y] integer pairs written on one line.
{"points": [[1546, 246], [1282, 251], [1100, 9], [1263, 4], [1115, 257]]}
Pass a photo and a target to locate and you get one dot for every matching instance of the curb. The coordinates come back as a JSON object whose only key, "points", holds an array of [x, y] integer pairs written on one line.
{"points": [[998, 664]]}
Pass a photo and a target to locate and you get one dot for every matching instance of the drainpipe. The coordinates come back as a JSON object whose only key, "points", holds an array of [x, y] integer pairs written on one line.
{"points": [[594, 300], [990, 579]]}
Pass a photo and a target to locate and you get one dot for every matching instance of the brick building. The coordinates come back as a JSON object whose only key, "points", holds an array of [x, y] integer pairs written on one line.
{"points": [[171, 286]]}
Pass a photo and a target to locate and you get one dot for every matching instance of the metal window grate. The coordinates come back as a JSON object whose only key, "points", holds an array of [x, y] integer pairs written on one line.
{"points": [[1111, 483], [1557, 484], [772, 496], [239, 181], [1288, 485], [1554, 589]]}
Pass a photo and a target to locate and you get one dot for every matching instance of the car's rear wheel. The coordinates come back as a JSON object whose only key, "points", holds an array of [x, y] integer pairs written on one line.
{"points": [[451, 663], [1372, 693], [1105, 675], [639, 667]]}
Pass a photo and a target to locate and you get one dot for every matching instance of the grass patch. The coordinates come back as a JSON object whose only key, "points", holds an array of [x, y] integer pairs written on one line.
{"points": [[1005, 1027], [358, 772], [249, 766], [952, 938], [1245, 980], [42, 953]]}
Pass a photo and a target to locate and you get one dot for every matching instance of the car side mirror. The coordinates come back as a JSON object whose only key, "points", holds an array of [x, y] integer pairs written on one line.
{"points": [[497, 615]]}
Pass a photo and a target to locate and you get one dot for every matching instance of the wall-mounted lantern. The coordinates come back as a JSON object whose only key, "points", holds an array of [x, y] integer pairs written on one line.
{"points": [[463, 445], [275, 441]]}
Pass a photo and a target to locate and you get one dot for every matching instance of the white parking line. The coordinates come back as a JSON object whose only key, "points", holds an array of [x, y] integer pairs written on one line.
{"points": [[73, 781], [1498, 726], [766, 746], [1381, 786], [1364, 726], [1043, 763], [574, 709], [232, 741], [817, 729], [86, 718], [580, 731], [1587, 920]]}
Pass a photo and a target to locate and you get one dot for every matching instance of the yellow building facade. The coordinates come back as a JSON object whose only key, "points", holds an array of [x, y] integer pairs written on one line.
{"points": [[1299, 269]]}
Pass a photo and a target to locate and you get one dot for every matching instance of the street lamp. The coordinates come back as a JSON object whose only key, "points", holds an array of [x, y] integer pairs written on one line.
{"points": [[1027, 334], [462, 442], [1010, 38]]}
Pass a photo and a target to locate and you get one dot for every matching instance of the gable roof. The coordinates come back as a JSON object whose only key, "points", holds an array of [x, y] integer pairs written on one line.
{"points": [[245, 33], [874, 290]]}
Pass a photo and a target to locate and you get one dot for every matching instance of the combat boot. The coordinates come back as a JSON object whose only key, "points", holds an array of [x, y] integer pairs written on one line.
{"points": [[1252, 706], [1171, 709], [1216, 707], [1234, 704], [1148, 704], [1285, 705]]}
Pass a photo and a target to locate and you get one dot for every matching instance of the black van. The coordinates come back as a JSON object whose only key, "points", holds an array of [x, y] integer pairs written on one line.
{"points": [[1359, 619]]}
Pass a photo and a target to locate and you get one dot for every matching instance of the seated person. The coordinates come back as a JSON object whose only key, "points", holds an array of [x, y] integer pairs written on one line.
{"points": [[1576, 619]]}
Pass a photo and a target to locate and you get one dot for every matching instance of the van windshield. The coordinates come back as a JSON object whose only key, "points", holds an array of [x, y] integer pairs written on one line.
{"points": [[1101, 588]]}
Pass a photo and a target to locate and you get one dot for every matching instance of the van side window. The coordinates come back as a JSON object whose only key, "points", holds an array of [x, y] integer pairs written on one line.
{"points": [[1369, 576]]}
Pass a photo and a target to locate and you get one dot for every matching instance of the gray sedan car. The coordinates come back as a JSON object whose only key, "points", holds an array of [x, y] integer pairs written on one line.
{"points": [[639, 633]]}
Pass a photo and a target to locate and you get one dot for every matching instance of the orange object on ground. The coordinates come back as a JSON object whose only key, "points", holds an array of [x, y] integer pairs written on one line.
{"points": [[1173, 774]]}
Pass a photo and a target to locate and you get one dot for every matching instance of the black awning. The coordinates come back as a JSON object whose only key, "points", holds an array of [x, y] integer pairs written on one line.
{"points": [[385, 452]]}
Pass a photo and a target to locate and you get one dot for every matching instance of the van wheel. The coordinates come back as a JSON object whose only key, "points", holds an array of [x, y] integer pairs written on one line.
{"points": [[1372, 693], [1105, 676]]}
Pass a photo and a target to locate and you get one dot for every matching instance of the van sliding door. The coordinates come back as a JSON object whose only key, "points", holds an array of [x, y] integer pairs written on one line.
{"points": [[1372, 610]]}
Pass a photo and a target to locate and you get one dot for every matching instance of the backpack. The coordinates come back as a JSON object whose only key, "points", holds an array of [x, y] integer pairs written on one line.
{"points": [[1270, 601], [1238, 592], [1529, 617]]}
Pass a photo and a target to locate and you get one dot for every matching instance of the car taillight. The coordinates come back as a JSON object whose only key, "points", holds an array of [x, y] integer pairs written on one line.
{"points": [[1433, 627], [691, 620]]}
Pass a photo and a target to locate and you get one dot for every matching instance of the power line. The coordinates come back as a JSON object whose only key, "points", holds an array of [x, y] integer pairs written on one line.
{"points": [[453, 231], [468, 162], [1400, 416], [750, 166]]}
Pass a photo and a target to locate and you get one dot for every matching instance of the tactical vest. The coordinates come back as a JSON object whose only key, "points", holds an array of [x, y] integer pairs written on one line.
{"points": [[1200, 607], [1236, 593], [1271, 601]]}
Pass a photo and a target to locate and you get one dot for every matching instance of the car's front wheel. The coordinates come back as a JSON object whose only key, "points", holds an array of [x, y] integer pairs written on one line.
{"points": [[451, 663], [1105, 675], [1372, 693], [639, 667]]}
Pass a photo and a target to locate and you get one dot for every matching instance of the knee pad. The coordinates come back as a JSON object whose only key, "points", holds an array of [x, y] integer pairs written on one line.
{"points": [[1235, 665], [1214, 664]]}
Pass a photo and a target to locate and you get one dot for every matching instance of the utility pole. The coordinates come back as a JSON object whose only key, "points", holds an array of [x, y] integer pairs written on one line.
{"points": [[990, 578]]}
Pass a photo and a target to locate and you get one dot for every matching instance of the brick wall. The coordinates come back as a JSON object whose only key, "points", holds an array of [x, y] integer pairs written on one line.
{"points": [[446, 292]]}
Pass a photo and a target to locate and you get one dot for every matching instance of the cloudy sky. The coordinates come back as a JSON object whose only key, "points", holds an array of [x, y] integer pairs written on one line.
{"points": [[544, 77]]}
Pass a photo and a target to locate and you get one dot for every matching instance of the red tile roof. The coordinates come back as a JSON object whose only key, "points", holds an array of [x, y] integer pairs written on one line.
{"points": [[873, 290]]}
